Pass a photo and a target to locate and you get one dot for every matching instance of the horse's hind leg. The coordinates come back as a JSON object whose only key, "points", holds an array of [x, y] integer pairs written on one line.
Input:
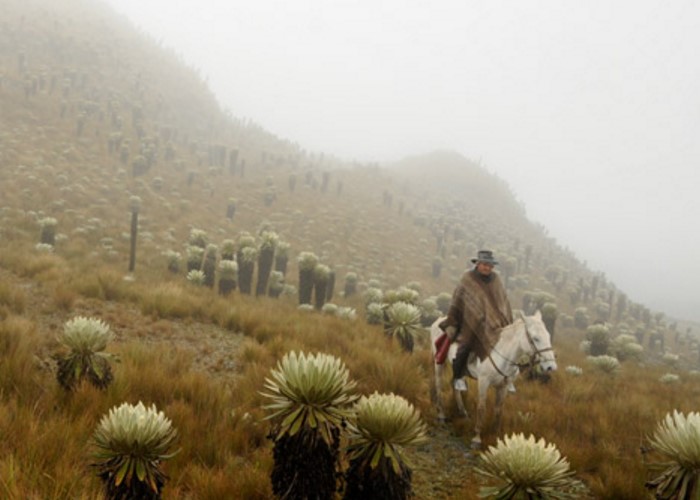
{"points": [[459, 399], [498, 410]]}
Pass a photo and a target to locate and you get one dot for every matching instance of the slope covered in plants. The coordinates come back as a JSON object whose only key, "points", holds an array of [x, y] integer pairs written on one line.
{"points": [[100, 124]]}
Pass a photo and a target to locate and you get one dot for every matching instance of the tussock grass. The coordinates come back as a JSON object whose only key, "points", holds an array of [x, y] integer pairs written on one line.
{"points": [[24, 261], [19, 374], [64, 297], [599, 423], [243, 478], [12, 300], [104, 284], [399, 373], [169, 300], [47, 431]]}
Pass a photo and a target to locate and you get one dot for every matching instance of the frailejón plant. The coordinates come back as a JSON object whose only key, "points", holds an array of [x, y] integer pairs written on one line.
{"points": [[677, 438], [383, 424], [519, 467], [131, 442], [403, 323], [86, 339], [311, 398]]}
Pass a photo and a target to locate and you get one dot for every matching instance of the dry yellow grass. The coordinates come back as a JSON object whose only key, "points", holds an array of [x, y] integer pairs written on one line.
{"points": [[203, 358]]}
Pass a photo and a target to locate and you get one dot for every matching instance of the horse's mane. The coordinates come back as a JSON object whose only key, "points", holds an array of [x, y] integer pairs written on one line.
{"points": [[509, 331]]}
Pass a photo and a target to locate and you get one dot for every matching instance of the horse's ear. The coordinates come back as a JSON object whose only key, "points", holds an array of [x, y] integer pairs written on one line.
{"points": [[520, 314], [538, 314]]}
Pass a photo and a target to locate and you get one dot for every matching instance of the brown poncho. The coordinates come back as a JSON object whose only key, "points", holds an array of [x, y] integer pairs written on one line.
{"points": [[479, 310]]}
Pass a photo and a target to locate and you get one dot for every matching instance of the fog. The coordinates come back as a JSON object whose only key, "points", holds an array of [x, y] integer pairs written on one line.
{"points": [[590, 110]]}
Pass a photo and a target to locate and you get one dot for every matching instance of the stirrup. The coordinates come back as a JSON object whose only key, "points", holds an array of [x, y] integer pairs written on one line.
{"points": [[459, 385]]}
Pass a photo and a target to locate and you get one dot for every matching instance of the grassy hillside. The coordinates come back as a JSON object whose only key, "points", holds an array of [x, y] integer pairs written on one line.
{"points": [[94, 114]]}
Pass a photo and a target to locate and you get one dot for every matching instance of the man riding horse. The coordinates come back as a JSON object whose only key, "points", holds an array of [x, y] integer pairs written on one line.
{"points": [[478, 311]]}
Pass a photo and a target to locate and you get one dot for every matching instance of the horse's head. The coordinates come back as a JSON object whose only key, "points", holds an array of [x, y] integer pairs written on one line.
{"points": [[539, 342]]}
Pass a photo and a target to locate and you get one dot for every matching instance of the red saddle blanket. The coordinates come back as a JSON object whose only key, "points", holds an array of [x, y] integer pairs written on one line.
{"points": [[442, 346]]}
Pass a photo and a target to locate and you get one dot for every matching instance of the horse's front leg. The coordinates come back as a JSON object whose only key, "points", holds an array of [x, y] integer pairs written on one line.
{"points": [[480, 413], [501, 392], [437, 393]]}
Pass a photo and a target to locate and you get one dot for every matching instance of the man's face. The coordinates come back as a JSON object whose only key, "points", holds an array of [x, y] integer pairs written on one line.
{"points": [[484, 268]]}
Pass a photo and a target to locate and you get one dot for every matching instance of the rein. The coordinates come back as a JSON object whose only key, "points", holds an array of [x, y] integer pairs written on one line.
{"points": [[534, 356]]}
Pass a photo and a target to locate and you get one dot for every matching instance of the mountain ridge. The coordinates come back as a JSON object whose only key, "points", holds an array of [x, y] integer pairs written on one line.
{"points": [[109, 96]]}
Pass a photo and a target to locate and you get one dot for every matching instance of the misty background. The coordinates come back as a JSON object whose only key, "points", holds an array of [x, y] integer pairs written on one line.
{"points": [[588, 109]]}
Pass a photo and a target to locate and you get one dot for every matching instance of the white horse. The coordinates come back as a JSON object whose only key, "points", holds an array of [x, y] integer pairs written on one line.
{"points": [[526, 336]]}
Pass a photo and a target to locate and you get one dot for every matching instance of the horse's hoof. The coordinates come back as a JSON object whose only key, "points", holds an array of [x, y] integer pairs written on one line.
{"points": [[442, 420], [475, 444]]}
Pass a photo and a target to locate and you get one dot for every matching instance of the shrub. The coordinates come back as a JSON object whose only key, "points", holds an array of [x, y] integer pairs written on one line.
{"points": [[209, 265], [677, 438], [173, 259], [625, 347], [585, 346], [549, 316], [195, 255], [429, 312], [86, 338], [350, 284], [373, 296], [246, 268], [671, 359], [581, 318], [307, 262], [196, 277], [669, 378], [228, 276], [198, 238], [574, 370], [348, 313], [524, 468], [403, 322], [401, 294], [311, 398], [599, 336], [266, 257], [605, 363], [329, 309], [321, 276], [443, 301], [282, 257], [228, 249], [44, 248], [276, 286], [47, 233], [375, 313], [131, 442], [383, 423]]}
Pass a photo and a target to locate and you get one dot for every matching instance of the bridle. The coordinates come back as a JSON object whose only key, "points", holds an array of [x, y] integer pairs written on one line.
{"points": [[535, 355]]}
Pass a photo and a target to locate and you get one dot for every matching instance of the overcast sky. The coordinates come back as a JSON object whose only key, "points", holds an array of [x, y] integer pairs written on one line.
{"points": [[589, 109]]}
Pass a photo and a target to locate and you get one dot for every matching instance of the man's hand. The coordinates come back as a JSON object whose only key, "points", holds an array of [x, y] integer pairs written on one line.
{"points": [[451, 332]]}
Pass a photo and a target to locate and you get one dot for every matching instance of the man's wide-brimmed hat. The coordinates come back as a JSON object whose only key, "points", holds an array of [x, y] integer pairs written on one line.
{"points": [[485, 256]]}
